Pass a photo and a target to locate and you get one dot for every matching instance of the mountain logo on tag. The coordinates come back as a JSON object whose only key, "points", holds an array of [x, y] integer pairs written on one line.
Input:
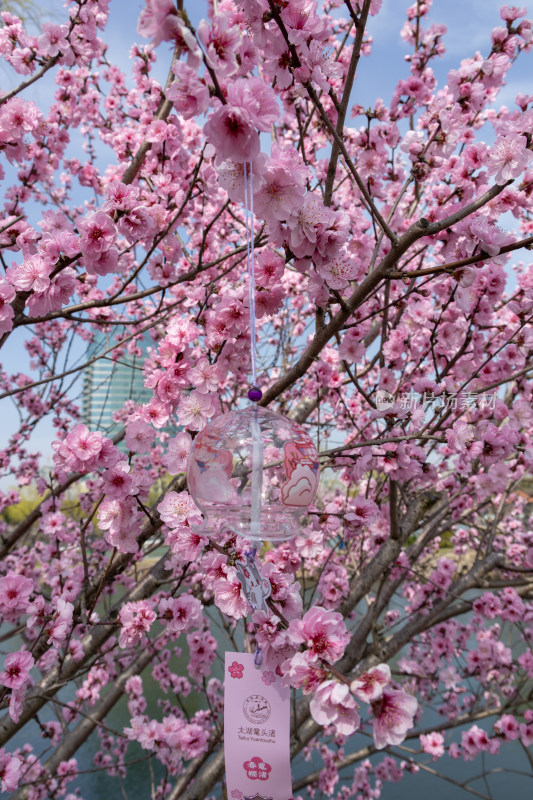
{"points": [[256, 797], [256, 709]]}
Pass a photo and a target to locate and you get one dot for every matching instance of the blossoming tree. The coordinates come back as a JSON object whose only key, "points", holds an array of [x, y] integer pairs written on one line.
{"points": [[394, 325]]}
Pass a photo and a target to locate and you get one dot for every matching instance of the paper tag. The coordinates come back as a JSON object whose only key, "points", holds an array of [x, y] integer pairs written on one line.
{"points": [[255, 588], [256, 731]]}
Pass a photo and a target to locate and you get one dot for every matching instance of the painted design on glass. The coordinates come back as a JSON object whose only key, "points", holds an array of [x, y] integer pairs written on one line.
{"points": [[210, 471], [302, 468]]}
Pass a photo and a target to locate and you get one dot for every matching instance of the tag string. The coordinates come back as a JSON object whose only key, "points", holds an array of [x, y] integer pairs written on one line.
{"points": [[258, 655]]}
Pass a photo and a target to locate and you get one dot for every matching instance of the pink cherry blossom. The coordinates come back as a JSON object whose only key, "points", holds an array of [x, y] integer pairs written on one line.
{"points": [[53, 39], [232, 133], [526, 734], [511, 13], [233, 176], [393, 717], [15, 591], [61, 622], [188, 93], [158, 20], [102, 263], [269, 269], [351, 348], [370, 686], [7, 295], [229, 597], [177, 508], [193, 740], [81, 450], [117, 480], [136, 619], [177, 453], [220, 40], [433, 743], [139, 436], [32, 275], [282, 191], [324, 633], [156, 413], [181, 613], [508, 158], [10, 767], [257, 98], [16, 672], [508, 727], [185, 543], [194, 409], [205, 377], [302, 672], [137, 224], [338, 272], [98, 234], [362, 512], [332, 704], [475, 740], [202, 649], [18, 117]]}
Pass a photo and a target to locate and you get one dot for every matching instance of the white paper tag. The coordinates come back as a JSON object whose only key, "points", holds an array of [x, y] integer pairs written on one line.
{"points": [[256, 731]]}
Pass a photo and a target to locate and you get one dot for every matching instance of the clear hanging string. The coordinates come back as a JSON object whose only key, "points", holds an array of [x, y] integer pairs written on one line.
{"points": [[255, 427], [250, 260]]}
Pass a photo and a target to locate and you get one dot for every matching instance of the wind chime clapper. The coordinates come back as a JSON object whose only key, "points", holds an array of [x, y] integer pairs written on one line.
{"points": [[252, 470]]}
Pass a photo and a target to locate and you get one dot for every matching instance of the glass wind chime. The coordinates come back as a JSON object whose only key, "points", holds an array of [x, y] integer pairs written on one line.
{"points": [[253, 470]]}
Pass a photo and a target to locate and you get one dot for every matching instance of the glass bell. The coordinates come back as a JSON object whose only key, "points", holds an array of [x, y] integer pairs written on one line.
{"points": [[255, 472]]}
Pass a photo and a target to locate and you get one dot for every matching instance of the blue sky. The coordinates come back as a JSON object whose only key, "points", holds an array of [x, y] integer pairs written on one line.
{"points": [[469, 25]]}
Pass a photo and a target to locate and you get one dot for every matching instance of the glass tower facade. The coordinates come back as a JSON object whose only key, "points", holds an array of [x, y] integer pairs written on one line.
{"points": [[109, 383]]}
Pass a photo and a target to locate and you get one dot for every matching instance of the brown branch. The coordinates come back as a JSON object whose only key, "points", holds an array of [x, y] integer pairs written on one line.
{"points": [[129, 298], [211, 773], [393, 510], [92, 643], [75, 738], [418, 230], [463, 262], [350, 77], [329, 125], [24, 85], [358, 296], [349, 163], [88, 363], [164, 109], [462, 213]]}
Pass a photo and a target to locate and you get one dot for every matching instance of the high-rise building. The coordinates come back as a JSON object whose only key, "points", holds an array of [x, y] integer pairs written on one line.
{"points": [[109, 383]]}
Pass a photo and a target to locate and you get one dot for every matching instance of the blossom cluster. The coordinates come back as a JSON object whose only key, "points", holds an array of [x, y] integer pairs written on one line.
{"points": [[383, 273]]}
